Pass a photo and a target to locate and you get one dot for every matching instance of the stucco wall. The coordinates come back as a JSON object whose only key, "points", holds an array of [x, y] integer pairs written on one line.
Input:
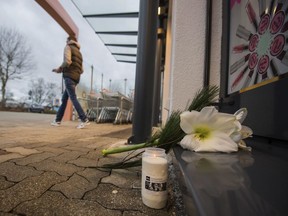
{"points": [[185, 52]]}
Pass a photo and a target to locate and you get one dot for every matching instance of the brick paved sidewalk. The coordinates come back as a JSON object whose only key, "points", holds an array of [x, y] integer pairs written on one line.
{"points": [[46, 170]]}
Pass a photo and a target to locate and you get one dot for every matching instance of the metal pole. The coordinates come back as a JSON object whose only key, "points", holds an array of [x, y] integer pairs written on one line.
{"points": [[91, 90], [102, 82], [157, 83], [145, 69], [125, 80]]}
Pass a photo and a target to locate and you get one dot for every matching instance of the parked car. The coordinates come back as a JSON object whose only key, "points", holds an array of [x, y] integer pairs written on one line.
{"points": [[36, 108]]}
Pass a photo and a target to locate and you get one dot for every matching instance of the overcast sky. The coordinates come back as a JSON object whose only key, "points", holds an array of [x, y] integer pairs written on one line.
{"points": [[47, 40]]}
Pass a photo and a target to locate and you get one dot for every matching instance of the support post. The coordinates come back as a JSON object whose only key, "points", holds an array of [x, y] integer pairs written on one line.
{"points": [[145, 69], [157, 82], [60, 15]]}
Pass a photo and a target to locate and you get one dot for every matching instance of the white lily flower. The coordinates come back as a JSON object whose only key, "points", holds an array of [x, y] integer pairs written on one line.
{"points": [[245, 131], [209, 131]]}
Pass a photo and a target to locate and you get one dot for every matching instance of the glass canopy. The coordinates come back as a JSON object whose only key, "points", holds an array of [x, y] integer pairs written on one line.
{"points": [[116, 23]]}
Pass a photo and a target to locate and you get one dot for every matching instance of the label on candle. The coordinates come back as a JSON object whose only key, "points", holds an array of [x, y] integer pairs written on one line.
{"points": [[154, 184]]}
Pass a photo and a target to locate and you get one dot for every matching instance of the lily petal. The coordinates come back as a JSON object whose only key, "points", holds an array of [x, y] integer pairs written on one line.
{"points": [[187, 121], [242, 145], [225, 123], [236, 137], [241, 114], [219, 143], [246, 132], [207, 113], [189, 142]]}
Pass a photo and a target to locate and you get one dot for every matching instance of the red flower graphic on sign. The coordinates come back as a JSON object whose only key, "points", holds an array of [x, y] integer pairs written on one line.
{"points": [[265, 46]]}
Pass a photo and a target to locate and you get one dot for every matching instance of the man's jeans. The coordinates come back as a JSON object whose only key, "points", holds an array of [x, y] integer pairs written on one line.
{"points": [[70, 93]]}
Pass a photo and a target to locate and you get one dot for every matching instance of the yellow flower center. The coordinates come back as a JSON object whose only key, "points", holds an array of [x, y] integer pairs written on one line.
{"points": [[202, 132]]}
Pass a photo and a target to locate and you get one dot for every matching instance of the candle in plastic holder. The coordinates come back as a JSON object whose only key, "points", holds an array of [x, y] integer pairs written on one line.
{"points": [[154, 178]]}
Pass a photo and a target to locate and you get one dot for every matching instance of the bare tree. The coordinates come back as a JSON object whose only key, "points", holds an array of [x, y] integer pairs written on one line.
{"points": [[41, 92], [15, 58]]}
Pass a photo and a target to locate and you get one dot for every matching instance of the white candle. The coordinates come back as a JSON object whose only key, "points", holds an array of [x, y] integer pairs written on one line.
{"points": [[154, 178]]}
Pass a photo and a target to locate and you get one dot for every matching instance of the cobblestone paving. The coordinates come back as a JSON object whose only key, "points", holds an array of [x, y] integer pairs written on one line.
{"points": [[48, 170]]}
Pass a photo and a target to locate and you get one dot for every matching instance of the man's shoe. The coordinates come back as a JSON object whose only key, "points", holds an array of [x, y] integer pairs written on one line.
{"points": [[83, 124], [56, 124]]}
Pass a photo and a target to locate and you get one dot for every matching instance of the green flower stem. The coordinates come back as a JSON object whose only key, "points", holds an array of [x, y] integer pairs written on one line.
{"points": [[106, 152]]}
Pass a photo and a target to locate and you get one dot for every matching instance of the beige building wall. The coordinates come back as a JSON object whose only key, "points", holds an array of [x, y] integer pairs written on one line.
{"points": [[185, 52], [215, 64]]}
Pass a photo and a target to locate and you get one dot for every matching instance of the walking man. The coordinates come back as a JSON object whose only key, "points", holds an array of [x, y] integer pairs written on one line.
{"points": [[71, 68]]}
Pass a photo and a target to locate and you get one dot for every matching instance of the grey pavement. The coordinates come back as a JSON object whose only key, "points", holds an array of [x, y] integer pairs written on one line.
{"points": [[47, 170]]}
